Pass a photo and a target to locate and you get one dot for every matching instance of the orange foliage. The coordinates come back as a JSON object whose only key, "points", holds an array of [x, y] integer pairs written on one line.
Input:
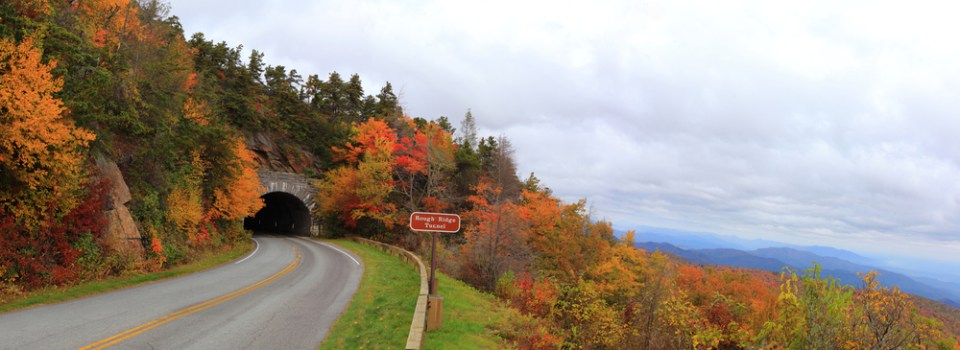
{"points": [[190, 82], [156, 247], [38, 146], [493, 233], [360, 189], [885, 321], [241, 196], [754, 299], [373, 140], [423, 164], [109, 23], [433, 204]]}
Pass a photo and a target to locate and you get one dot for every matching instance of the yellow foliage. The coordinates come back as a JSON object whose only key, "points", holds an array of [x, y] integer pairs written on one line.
{"points": [[241, 196], [185, 208], [184, 204], [196, 111]]}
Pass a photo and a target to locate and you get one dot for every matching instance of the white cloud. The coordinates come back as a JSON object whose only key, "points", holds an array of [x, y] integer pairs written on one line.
{"points": [[807, 122]]}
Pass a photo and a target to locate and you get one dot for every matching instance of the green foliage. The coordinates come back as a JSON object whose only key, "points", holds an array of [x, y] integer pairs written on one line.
{"points": [[90, 258], [813, 312], [506, 288]]}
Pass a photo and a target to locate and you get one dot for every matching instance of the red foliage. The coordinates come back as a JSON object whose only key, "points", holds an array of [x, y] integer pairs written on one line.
{"points": [[47, 255], [433, 204], [719, 314], [533, 297]]}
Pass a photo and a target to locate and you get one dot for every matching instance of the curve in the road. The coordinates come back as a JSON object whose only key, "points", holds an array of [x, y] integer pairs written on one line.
{"points": [[133, 332], [214, 309]]}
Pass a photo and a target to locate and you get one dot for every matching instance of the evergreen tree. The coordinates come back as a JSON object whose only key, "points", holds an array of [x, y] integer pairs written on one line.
{"points": [[353, 98], [387, 103], [468, 130]]}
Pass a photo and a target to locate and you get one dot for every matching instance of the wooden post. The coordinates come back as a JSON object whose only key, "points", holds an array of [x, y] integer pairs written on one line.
{"points": [[434, 312]]}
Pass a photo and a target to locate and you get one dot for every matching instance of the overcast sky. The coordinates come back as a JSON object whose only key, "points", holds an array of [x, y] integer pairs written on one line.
{"points": [[809, 122]]}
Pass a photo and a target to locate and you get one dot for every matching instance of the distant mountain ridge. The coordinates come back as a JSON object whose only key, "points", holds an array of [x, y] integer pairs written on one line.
{"points": [[777, 258]]}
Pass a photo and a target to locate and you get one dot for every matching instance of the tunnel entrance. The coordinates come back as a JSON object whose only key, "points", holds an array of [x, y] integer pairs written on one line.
{"points": [[282, 213]]}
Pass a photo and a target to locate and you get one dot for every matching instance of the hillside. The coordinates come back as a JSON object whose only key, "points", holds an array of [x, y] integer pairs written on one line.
{"points": [[142, 150], [138, 149], [776, 259]]}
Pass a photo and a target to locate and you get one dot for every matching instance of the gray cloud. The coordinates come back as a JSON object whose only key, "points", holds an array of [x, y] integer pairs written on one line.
{"points": [[810, 122]]}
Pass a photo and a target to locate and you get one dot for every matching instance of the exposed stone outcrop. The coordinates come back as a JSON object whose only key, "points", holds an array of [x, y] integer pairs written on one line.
{"points": [[290, 158], [122, 233]]}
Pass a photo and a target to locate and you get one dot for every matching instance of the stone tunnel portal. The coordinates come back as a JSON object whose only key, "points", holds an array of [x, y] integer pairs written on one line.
{"points": [[283, 213]]}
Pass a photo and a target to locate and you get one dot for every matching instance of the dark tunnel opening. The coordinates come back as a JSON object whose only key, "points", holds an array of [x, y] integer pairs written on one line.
{"points": [[282, 213]]}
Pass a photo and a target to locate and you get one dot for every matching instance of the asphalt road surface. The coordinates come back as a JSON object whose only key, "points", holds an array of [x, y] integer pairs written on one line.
{"points": [[284, 295]]}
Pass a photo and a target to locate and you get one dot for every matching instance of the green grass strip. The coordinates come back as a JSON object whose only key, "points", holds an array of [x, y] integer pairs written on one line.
{"points": [[59, 294], [471, 318], [379, 315]]}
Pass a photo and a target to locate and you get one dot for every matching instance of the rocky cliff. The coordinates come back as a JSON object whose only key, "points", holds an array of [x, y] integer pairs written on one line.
{"points": [[283, 157], [122, 233]]}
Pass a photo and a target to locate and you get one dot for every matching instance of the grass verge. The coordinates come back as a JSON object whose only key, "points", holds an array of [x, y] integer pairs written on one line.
{"points": [[471, 318], [52, 295], [379, 315]]}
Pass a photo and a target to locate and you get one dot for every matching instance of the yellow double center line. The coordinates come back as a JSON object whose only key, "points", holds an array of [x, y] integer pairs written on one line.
{"points": [[133, 332]]}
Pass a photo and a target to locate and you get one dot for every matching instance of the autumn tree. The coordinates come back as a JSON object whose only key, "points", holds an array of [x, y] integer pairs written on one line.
{"points": [[32, 8], [494, 243], [360, 189], [185, 202], [109, 23], [240, 197], [882, 319], [41, 151], [425, 162], [813, 313]]}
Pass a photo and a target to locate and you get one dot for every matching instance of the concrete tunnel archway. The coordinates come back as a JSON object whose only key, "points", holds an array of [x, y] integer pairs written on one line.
{"points": [[282, 213]]}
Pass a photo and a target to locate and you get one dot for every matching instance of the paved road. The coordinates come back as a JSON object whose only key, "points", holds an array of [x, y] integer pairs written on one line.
{"points": [[283, 296]]}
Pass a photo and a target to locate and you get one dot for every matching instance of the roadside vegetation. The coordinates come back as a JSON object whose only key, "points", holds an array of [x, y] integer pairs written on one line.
{"points": [[55, 294], [380, 313], [471, 319]]}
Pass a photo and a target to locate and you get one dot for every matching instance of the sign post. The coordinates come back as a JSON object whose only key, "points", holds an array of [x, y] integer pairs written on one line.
{"points": [[434, 223]]}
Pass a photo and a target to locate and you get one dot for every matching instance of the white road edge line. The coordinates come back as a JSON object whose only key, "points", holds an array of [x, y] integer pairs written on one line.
{"points": [[255, 249], [334, 248]]}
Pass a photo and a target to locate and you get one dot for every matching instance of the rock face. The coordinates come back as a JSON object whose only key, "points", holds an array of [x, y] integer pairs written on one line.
{"points": [[290, 158], [122, 233]]}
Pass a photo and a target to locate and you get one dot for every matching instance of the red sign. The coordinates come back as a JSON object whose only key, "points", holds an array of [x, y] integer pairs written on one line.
{"points": [[435, 222]]}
